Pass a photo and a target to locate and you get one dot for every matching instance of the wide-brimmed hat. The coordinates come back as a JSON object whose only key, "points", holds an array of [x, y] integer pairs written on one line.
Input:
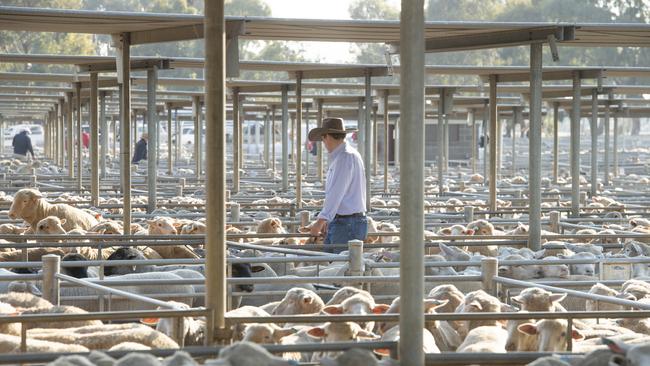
{"points": [[330, 125]]}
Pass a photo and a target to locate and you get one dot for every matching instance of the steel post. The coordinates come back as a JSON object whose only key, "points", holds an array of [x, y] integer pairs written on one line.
{"points": [[556, 147], [516, 112], [593, 127], [375, 142], [319, 146], [298, 137], [236, 131], [367, 142], [215, 114], [196, 110], [575, 146], [273, 139], [68, 133], [412, 79], [152, 144], [493, 135], [267, 134], [285, 137], [440, 131], [535, 149], [94, 143], [386, 131], [170, 156], [474, 141], [103, 130], [606, 143], [615, 147], [78, 139], [484, 127], [124, 72]]}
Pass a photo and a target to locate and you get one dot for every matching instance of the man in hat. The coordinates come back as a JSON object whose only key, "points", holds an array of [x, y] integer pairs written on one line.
{"points": [[140, 149], [343, 216]]}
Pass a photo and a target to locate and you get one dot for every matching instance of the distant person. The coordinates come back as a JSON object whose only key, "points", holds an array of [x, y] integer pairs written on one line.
{"points": [[85, 139], [140, 149], [22, 144]]}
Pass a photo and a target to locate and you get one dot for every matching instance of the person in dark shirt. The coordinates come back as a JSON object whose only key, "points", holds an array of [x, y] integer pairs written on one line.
{"points": [[22, 145], [140, 149]]}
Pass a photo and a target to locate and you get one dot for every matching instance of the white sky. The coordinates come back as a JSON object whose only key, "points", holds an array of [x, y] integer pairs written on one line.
{"points": [[332, 52]]}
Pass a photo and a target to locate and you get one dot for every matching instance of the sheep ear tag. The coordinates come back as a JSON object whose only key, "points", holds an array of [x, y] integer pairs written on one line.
{"points": [[150, 321]]}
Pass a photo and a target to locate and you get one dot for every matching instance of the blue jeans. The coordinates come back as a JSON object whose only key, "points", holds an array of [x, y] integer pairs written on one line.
{"points": [[343, 229]]}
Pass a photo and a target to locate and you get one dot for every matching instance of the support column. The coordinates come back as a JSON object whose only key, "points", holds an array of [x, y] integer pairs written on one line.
{"points": [[68, 131], [472, 123], [535, 149], [556, 148], [492, 201], [285, 137], [124, 71], [307, 151], [273, 139], [367, 142], [79, 142], [375, 142], [114, 126], [240, 121], [61, 134], [170, 156], [152, 144], [319, 146], [516, 114], [94, 141], [103, 127], [411, 320], [235, 140], [445, 142], [386, 130], [440, 129], [298, 141], [178, 147], [196, 110], [615, 147], [594, 141], [267, 136], [606, 142], [215, 115], [575, 146], [484, 127]]}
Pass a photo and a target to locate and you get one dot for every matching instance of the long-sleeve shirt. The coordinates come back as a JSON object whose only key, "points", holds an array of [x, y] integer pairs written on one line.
{"points": [[22, 144], [345, 187]]}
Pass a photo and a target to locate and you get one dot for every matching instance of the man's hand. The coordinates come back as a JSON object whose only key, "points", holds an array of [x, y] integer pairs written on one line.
{"points": [[319, 228]]}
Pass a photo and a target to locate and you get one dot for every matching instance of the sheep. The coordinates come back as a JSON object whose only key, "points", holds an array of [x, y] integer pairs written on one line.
{"points": [[393, 335], [11, 344], [339, 332], [266, 333], [537, 299], [638, 288], [554, 270], [585, 269], [446, 292], [490, 339], [51, 225], [105, 336], [193, 331], [239, 330], [600, 289], [353, 357], [61, 309], [76, 272], [29, 205], [165, 226], [345, 292], [299, 301], [519, 272], [248, 354], [551, 335], [24, 300], [359, 304]]}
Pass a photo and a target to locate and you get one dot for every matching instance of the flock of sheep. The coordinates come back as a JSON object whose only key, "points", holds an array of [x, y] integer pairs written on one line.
{"points": [[76, 229]]}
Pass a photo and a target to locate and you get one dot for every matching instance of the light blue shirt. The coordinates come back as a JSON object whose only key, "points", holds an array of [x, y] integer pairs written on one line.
{"points": [[345, 187]]}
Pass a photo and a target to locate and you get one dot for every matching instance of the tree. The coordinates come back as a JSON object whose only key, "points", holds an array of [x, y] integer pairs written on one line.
{"points": [[371, 9]]}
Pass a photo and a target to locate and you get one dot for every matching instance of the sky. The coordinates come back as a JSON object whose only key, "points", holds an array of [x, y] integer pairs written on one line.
{"points": [[330, 52]]}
